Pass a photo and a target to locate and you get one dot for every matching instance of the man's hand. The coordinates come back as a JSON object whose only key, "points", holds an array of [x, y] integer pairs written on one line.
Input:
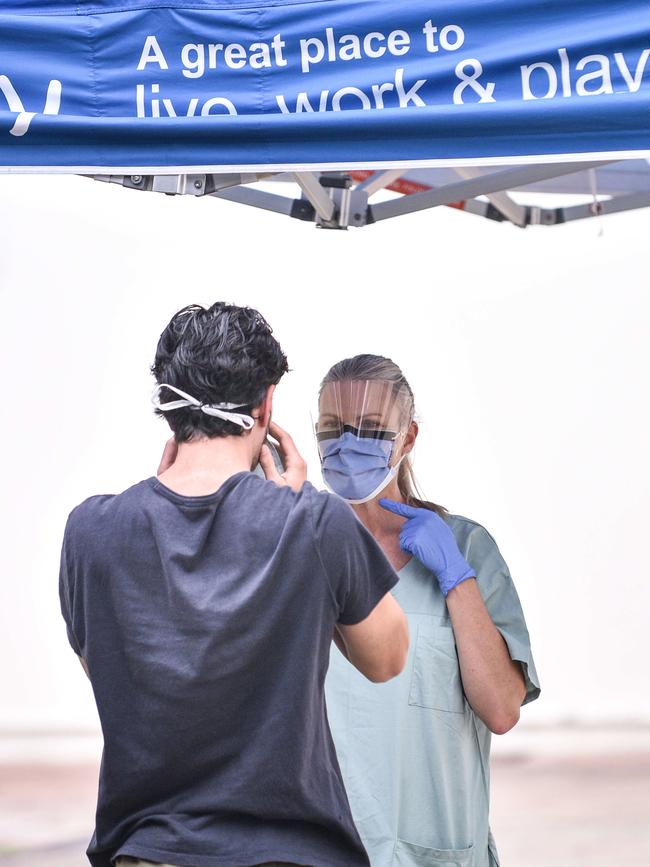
{"points": [[295, 468], [168, 456]]}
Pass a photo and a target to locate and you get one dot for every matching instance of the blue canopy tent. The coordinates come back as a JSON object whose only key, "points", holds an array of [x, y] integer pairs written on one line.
{"points": [[459, 102]]}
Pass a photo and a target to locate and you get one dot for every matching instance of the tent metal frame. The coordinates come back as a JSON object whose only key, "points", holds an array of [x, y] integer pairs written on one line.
{"points": [[333, 200]]}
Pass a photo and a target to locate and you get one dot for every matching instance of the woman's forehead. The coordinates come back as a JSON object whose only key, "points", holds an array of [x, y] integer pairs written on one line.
{"points": [[355, 398]]}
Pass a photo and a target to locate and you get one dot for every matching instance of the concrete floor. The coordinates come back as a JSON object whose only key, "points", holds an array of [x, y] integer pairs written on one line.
{"points": [[572, 812], [584, 811]]}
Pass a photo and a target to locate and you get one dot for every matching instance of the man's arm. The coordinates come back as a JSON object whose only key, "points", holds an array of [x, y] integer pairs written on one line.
{"points": [[84, 665], [338, 640], [378, 645]]}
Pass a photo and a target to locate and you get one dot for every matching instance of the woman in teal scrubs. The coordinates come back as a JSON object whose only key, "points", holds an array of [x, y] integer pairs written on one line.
{"points": [[415, 751]]}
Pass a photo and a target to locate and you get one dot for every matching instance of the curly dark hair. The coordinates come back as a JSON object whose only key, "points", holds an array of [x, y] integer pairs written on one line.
{"points": [[223, 353]]}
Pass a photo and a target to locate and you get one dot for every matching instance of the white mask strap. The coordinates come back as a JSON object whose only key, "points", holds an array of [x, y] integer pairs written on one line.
{"points": [[217, 410], [389, 478]]}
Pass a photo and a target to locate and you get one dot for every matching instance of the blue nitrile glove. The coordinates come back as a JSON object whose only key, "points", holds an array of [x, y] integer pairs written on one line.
{"points": [[426, 536]]}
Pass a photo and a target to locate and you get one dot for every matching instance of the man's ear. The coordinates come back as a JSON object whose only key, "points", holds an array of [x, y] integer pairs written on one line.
{"points": [[266, 407]]}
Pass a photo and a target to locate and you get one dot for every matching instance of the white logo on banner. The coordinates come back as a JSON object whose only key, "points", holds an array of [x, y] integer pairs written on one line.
{"points": [[22, 122]]}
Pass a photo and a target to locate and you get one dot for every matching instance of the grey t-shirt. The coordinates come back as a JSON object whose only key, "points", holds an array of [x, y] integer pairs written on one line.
{"points": [[206, 623]]}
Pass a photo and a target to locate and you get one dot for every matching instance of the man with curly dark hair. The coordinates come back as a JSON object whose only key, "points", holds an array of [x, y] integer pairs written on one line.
{"points": [[202, 603]]}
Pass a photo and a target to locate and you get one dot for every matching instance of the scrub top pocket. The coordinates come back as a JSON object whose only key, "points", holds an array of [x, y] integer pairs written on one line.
{"points": [[435, 682], [410, 855]]}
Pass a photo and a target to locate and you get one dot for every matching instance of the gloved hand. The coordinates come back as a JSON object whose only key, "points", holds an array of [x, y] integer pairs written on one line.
{"points": [[426, 536]]}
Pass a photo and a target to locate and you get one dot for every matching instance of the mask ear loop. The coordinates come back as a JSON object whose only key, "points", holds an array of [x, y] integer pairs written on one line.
{"points": [[243, 420], [219, 410], [399, 434], [173, 404]]}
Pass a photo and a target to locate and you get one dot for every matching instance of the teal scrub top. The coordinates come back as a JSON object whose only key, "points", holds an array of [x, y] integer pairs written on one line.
{"points": [[414, 755]]}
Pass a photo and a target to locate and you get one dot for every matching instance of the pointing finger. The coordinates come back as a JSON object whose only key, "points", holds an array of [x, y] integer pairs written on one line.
{"points": [[400, 509]]}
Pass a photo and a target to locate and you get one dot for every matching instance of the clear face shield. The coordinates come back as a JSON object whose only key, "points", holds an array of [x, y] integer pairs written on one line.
{"points": [[359, 427]]}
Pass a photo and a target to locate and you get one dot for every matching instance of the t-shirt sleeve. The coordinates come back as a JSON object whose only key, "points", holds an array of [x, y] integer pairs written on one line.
{"points": [[357, 569], [502, 602], [67, 595]]}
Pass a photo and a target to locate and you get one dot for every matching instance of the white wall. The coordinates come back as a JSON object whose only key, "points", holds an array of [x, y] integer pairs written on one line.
{"points": [[528, 353]]}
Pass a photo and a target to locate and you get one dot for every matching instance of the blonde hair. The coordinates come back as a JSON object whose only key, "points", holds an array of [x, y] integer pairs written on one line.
{"points": [[377, 367]]}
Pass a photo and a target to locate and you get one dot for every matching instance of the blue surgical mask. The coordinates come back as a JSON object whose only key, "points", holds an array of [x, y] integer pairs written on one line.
{"points": [[357, 468]]}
